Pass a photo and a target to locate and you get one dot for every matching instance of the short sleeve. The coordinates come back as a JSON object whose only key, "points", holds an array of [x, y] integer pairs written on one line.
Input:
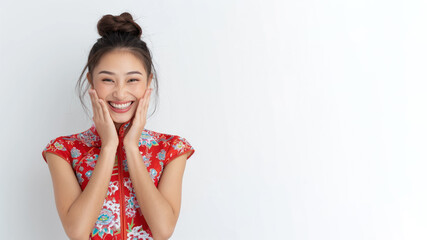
{"points": [[57, 146], [178, 146]]}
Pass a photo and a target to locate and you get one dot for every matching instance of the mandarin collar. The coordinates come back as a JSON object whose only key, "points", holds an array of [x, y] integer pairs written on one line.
{"points": [[96, 139]]}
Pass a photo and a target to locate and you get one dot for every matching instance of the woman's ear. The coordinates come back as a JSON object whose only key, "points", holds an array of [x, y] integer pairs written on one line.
{"points": [[89, 79], [149, 79]]}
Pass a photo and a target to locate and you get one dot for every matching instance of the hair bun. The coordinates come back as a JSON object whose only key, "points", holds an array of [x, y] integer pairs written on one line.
{"points": [[122, 23]]}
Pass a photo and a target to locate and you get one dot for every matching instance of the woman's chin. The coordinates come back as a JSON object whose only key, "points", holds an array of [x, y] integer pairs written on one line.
{"points": [[120, 118]]}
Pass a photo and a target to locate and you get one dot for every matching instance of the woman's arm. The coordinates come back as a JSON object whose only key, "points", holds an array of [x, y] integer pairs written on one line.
{"points": [[79, 210], [160, 206]]}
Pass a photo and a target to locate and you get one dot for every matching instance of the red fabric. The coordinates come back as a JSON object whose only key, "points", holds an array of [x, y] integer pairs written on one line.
{"points": [[120, 217]]}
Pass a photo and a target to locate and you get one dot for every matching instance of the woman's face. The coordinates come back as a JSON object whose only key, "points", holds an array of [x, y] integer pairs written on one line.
{"points": [[120, 80]]}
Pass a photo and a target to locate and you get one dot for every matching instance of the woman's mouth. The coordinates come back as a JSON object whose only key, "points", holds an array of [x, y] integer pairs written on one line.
{"points": [[120, 107]]}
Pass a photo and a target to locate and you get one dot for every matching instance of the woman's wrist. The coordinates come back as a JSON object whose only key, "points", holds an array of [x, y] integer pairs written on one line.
{"points": [[109, 148], [130, 146]]}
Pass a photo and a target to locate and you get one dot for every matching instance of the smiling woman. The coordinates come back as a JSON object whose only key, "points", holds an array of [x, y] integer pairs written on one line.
{"points": [[118, 180], [122, 85]]}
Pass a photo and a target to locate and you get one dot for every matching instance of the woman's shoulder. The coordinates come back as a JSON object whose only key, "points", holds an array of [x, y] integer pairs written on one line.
{"points": [[160, 137], [69, 146], [87, 137], [171, 144]]}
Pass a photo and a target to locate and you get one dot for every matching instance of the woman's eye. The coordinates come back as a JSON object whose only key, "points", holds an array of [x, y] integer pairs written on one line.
{"points": [[107, 80], [133, 80]]}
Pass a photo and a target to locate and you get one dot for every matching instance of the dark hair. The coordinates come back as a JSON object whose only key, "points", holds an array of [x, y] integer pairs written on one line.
{"points": [[117, 32]]}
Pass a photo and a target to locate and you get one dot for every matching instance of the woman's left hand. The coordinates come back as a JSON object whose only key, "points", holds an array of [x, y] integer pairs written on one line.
{"points": [[134, 132]]}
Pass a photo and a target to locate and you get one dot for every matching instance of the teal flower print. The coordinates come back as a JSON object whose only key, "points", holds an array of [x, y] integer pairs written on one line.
{"points": [[161, 155], [104, 220], [108, 220], [125, 164], [131, 201], [89, 138], [75, 153], [91, 160], [179, 146], [105, 217], [88, 173], [146, 159], [147, 140], [60, 146], [153, 173], [74, 162], [102, 231], [79, 177]]}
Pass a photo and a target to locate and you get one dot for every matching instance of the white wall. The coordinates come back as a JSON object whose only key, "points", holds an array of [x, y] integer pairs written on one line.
{"points": [[308, 117]]}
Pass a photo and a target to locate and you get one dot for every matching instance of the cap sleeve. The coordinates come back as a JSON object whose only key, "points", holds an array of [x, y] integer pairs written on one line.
{"points": [[178, 146], [59, 147]]}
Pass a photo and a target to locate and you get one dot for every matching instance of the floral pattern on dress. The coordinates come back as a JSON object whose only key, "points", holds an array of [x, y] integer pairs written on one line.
{"points": [[82, 151], [74, 162], [146, 158], [128, 184], [113, 187], [153, 173], [180, 145], [147, 140], [160, 173], [75, 153], [161, 155], [109, 219], [60, 146], [125, 165], [91, 160], [131, 205], [80, 178], [89, 138], [137, 233]]}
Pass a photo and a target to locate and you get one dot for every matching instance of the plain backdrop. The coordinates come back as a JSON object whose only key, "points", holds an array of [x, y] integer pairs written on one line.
{"points": [[308, 118]]}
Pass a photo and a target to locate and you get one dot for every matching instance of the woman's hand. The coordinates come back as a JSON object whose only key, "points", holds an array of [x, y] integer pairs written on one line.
{"points": [[134, 132], [103, 122]]}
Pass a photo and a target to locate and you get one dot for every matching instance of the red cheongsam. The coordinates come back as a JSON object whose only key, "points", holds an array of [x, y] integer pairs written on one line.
{"points": [[121, 217]]}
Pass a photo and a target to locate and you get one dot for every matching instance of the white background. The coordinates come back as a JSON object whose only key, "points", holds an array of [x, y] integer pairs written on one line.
{"points": [[308, 117]]}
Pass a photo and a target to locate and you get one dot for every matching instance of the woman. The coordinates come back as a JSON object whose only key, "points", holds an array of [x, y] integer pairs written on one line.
{"points": [[118, 180]]}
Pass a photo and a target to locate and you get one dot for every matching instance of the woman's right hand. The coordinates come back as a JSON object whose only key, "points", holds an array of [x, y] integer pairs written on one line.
{"points": [[103, 122]]}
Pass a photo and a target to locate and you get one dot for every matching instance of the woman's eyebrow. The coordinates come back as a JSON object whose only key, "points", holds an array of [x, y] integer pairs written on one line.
{"points": [[111, 73]]}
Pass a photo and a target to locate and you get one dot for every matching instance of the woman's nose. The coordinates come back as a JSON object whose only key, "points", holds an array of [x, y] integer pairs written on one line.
{"points": [[119, 92]]}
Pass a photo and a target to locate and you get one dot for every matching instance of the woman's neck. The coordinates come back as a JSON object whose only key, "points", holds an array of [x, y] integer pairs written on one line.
{"points": [[118, 126]]}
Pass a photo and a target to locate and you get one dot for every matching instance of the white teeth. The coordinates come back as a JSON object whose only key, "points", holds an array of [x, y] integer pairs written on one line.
{"points": [[121, 106]]}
